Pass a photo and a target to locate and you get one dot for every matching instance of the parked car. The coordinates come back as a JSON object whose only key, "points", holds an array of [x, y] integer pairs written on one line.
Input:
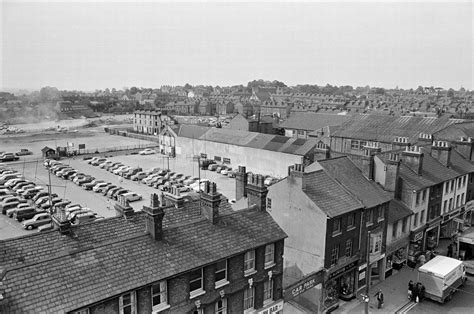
{"points": [[220, 168], [12, 210], [42, 194], [132, 196], [8, 157], [24, 152], [115, 167], [147, 151], [80, 218], [139, 176], [120, 169], [108, 166], [67, 174], [84, 180], [119, 192], [90, 185], [97, 188], [29, 193], [36, 221], [212, 167], [190, 181], [108, 188], [226, 171], [206, 163], [26, 213], [112, 191], [93, 159]]}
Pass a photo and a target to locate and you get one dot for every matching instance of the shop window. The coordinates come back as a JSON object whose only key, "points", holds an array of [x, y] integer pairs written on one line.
{"points": [[394, 229], [334, 254], [336, 226], [423, 198], [349, 247]]}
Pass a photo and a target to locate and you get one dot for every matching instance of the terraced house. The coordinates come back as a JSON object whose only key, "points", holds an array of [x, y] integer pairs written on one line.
{"points": [[177, 255]]}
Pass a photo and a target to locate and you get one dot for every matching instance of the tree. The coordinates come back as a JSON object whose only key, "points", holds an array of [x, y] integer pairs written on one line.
{"points": [[450, 93]]}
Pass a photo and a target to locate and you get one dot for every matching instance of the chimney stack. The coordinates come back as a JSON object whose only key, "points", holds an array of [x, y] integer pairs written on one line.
{"points": [[425, 138], [368, 159], [257, 191], [240, 183], [392, 167], [413, 158], [210, 201], [321, 151], [123, 208], [154, 217], [296, 174], [400, 142], [174, 197], [465, 147], [60, 221], [441, 150]]}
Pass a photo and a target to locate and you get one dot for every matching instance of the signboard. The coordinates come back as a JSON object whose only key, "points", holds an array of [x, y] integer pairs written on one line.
{"points": [[274, 308], [82, 146], [342, 270], [458, 220], [226, 160], [303, 285], [418, 236], [470, 205], [203, 155], [362, 275]]}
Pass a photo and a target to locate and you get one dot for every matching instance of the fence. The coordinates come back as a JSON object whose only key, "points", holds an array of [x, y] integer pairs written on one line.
{"points": [[115, 149], [130, 133]]}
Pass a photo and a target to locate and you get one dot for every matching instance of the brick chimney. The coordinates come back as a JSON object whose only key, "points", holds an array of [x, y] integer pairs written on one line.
{"points": [[392, 166], [210, 201], [296, 175], [425, 138], [257, 191], [367, 160], [441, 150], [174, 197], [154, 216], [240, 183], [465, 147], [321, 151], [60, 221], [123, 208], [413, 158], [400, 142]]}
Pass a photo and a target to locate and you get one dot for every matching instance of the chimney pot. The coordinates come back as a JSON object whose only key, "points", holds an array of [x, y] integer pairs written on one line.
{"points": [[154, 217]]}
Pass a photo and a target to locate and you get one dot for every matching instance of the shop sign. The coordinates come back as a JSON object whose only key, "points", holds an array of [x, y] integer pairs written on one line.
{"points": [[362, 275], [274, 308], [303, 285], [470, 206], [458, 220], [342, 270], [418, 236]]}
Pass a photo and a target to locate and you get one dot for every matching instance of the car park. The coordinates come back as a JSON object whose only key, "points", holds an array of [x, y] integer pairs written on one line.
{"points": [[36, 221]]}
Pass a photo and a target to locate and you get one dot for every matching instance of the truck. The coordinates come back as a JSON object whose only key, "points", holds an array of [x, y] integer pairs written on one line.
{"points": [[442, 276]]}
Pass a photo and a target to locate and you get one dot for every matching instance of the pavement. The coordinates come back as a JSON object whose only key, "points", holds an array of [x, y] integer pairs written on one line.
{"points": [[395, 290]]}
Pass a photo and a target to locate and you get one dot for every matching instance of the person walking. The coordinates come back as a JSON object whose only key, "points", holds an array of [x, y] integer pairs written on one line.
{"points": [[410, 290], [450, 250], [415, 294], [379, 296], [422, 259]]}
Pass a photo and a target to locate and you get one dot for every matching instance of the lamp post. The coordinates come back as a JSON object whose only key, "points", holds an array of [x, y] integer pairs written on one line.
{"points": [[367, 275]]}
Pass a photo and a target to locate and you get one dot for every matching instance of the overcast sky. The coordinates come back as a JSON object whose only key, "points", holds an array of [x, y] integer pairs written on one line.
{"points": [[95, 45]]}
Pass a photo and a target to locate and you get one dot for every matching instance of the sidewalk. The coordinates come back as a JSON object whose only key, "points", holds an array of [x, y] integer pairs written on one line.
{"points": [[394, 288]]}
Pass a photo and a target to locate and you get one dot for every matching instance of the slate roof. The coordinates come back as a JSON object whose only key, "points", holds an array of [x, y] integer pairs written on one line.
{"points": [[460, 164], [49, 272], [330, 196], [397, 210], [456, 131], [347, 174], [277, 143], [386, 128], [312, 121]]}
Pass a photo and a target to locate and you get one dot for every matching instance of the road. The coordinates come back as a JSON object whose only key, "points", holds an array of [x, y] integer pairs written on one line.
{"points": [[462, 302]]}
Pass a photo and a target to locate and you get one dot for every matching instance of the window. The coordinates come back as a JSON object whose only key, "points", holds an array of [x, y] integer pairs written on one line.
{"points": [[445, 206], [370, 217], [354, 144], [404, 224], [452, 185], [334, 255], [394, 229], [248, 298], [300, 132], [336, 226], [459, 183], [417, 198], [217, 158], [195, 282], [349, 247], [351, 221], [423, 198], [249, 261], [422, 216], [415, 220], [464, 180], [269, 255], [269, 203], [446, 184], [268, 291], [457, 201], [450, 203], [375, 243], [127, 303], [221, 273], [462, 198], [159, 295], [380, 214], [221, 306], [84, 311]]}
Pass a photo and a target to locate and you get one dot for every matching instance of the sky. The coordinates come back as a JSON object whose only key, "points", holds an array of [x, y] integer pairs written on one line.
{"points": [[95, 45]]}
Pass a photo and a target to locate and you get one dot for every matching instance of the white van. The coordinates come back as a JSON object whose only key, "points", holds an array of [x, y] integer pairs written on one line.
{"points": [[132, 196]]}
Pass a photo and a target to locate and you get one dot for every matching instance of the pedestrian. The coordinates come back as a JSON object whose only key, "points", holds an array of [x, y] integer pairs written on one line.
{"points": [[416, 293], [450, 250], [410, 290], [422, 259], [379, 296]]}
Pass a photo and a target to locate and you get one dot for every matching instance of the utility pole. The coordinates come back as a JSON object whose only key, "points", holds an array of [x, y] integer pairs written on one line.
{"points": [[367, 275], [49, 190]]}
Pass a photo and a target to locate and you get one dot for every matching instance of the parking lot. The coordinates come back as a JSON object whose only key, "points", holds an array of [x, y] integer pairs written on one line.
{"points": [[35, 171]]}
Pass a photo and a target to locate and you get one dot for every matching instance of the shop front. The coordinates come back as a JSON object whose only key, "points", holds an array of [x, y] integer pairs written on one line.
{"points": [[449, 225], [340, 284], [396, 256], [415, 246]]}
